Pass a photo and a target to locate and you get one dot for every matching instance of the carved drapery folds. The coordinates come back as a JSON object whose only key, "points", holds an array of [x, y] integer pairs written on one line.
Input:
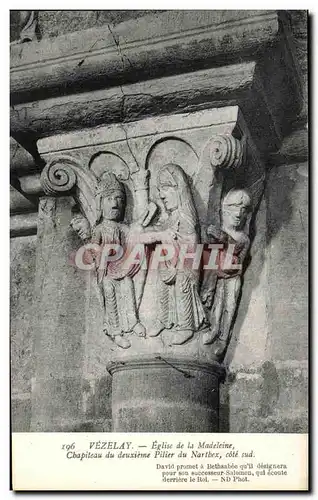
{"points": [[25, 26], [182, 203]]}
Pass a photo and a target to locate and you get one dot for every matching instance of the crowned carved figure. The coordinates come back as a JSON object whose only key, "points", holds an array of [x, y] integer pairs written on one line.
{"points": [[115, 280], [225, 289], [179, 308]]}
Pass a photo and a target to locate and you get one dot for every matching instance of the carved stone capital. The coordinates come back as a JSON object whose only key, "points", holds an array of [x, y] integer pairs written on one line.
{"points": [[185, 172]]}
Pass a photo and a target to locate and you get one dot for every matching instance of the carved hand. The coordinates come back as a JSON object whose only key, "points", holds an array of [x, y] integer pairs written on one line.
{"points": [[136, 228], [206, 297], [215, 232], [168, 236]]}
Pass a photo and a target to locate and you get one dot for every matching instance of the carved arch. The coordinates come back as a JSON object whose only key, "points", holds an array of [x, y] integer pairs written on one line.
{"points": [[111, 162]]}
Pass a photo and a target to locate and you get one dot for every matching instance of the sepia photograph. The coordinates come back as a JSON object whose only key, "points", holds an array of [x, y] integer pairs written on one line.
{"points": [[159, 243]]}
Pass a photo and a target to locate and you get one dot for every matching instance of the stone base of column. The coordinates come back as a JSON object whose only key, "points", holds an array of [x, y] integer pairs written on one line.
{"points": [[159, 394]]}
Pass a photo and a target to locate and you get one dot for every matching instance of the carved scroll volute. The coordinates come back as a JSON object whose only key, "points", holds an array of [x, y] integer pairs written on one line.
{"points": [[65, 175], [224, 152], [58, 176]]}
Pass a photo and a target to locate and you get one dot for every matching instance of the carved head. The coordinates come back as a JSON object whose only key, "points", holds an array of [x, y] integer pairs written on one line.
{"points": [[235, 208], [168, 188], [174, 190], [112, 197]]}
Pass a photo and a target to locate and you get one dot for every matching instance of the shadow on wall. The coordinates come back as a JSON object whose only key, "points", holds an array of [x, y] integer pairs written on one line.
{"points": [[257, 397], [97, 411], [262, 387], [268, 401], [278, 213]]}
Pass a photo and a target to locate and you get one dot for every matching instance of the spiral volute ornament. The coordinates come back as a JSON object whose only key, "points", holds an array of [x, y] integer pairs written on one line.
{"points": [[58, 176], [226, 152]]}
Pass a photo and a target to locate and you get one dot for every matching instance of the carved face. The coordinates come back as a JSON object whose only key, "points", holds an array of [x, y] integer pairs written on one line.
{"points": [[235, 209], [169, 196], [113, 206]]}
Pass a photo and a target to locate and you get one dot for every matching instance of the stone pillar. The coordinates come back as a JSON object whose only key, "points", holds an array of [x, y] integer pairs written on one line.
{"points": [[165, 395], [67, 382], [59, 321]]}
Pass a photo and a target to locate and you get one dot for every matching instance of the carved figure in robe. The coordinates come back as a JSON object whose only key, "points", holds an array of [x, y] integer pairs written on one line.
{"points": [[179, 307], [116, 281], [225, 289]]}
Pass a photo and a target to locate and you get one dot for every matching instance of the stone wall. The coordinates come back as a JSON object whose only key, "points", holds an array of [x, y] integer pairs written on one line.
{"points": [[53, 23], [22, 275]]}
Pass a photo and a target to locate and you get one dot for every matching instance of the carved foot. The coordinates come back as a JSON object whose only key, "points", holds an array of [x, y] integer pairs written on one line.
{"points": [[181, 337], [121, 341], [219, 349], [156, 328], [139, 330], [209, 337]]}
